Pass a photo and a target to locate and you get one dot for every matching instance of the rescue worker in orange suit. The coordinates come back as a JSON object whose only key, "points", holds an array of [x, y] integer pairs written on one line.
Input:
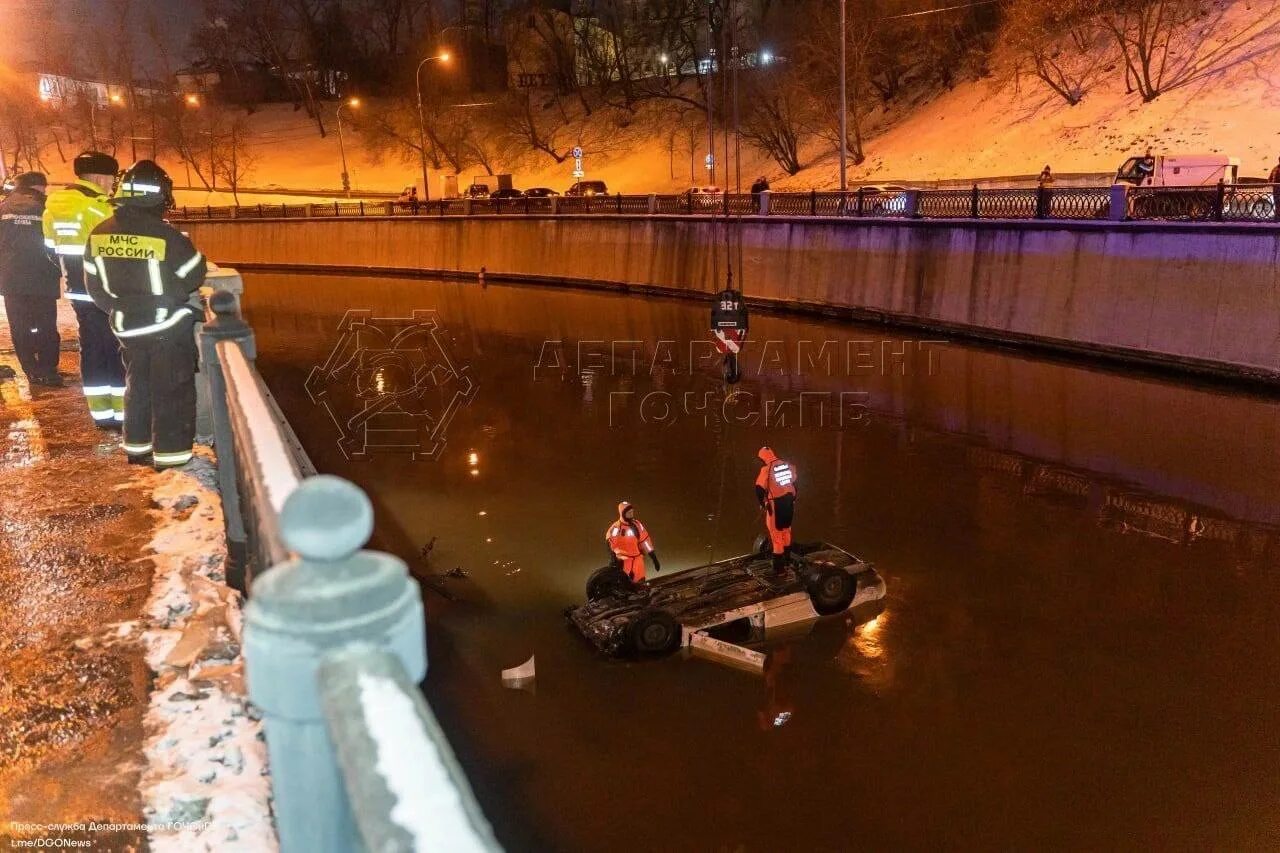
{"points": [[776, 494], [629, 543]]}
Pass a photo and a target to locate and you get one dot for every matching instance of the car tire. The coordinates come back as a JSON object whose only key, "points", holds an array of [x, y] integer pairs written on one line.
{"points": [[831, 590], [761, 545], [654, 632], [604, 583]]}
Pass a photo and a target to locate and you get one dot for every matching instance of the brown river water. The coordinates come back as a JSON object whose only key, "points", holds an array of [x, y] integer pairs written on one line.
{"points": [[1080, 645]]}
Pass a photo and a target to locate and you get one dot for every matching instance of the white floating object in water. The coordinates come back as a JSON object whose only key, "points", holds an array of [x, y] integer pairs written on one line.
{"points": [[519, 677]]}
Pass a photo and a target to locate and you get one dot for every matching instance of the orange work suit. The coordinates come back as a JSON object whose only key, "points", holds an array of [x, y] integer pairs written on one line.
{"points": [[776, 491], [630, 542]]}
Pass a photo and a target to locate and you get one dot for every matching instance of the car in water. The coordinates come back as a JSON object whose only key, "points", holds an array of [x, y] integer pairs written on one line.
{"points": [[587, 188], [664, 613], [540, 192]]}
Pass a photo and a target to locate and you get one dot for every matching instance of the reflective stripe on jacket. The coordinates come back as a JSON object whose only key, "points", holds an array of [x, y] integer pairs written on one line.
{"points": [[142, 272], [776, 478], [628, 539]]}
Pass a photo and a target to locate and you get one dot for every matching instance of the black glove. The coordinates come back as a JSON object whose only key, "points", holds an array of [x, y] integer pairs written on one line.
{"points": [[657, 567]]}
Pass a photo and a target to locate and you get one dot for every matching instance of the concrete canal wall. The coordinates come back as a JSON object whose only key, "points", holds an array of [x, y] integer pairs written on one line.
{"points": [[1198, 297]]}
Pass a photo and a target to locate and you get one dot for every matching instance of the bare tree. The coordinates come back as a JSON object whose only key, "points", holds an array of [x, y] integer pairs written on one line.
{"points": [[778, 115], [1143, 30], [233, 159], [1057, 41]]}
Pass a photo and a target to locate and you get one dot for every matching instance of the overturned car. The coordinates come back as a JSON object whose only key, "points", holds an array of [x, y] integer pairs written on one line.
{"points": [[665, 613]]}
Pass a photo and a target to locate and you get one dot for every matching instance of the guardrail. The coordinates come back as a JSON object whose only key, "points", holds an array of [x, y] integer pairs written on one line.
{"points": [[334, 638], [1219, 203]]}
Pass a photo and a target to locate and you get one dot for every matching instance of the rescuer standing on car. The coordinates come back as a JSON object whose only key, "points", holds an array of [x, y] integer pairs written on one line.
{"points": [[142, 272], [776, 493], [629, 542], [29, 281], [69, 216]]}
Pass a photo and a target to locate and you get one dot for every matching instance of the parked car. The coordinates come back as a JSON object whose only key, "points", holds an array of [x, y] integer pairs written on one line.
{"points": [[704, 197], [540, 192], [476, 191], [585, 188], [506, 193], [884, 200]]}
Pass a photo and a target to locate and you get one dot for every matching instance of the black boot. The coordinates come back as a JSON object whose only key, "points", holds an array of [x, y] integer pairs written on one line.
{"points": [[779, 563]]}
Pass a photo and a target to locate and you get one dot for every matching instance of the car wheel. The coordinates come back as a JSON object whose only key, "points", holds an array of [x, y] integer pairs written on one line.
{"points": [[604, 583], [761, 545], [832, 590], [654, 632]]}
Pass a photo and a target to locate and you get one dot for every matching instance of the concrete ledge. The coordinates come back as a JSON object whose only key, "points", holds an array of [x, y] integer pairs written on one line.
{"points": [[1185, 297], [1118, 356]]}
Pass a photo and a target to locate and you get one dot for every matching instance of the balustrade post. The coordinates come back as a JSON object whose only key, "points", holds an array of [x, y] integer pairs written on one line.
{"points": [[974, 206], [1119, 211], [911, 204], [1219, 200], [329, 597], [764, 203]]}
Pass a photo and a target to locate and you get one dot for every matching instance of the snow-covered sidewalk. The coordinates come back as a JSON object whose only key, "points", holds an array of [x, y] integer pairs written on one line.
{"points": [[123, 717]]}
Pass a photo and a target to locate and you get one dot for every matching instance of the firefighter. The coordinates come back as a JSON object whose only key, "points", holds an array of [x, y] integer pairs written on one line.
{"points": [[68, 218], [29, 281], [143, 273], [629, 542], [776, 494]]}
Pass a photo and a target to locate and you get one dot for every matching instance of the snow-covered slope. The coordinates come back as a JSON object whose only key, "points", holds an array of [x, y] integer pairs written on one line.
{"points": [[1003, 125]]}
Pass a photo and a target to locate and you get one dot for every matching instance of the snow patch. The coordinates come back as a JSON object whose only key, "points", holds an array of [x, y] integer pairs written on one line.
{"points": [[206, 785], [427, 802]]}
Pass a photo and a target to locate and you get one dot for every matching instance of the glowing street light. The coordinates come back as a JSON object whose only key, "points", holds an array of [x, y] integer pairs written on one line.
{"points": [[422, 122], [351, 103], [193, 101]]}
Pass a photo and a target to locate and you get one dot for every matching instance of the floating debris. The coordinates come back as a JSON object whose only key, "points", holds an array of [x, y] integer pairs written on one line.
{"points": [[520, 677]]}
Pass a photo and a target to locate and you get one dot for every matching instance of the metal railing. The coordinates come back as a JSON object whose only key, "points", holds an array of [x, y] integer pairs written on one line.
{"points": [[260, 460], [1221, 203], [334, 638]]}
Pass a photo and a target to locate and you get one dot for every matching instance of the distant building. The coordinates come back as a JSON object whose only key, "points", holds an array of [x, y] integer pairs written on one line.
{"points": [[62, 89]]}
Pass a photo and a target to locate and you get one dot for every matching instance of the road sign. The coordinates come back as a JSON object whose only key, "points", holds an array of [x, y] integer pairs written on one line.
{"points": [[577, 152], [578, 173]]}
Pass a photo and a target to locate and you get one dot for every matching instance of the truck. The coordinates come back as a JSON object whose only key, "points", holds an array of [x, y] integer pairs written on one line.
{"points": [[1178, 186]]}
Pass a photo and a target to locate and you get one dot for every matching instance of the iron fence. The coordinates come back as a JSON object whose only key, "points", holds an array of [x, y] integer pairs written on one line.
{"points": [[1221, 203]]}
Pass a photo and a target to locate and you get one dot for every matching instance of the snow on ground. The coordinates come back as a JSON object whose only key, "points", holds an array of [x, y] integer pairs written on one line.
{"points": [[206, 785]]}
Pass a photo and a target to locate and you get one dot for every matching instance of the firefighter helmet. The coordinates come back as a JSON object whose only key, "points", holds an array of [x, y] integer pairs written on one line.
{"points": [[145, 184]]}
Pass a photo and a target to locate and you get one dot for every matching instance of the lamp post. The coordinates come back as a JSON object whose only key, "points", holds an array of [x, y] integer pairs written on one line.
{"points": [[422, 122], [342, 146], [844, 103]]}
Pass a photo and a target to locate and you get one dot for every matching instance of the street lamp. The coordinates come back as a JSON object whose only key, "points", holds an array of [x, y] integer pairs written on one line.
{"points": [[353, 103], [422, 122], [844, 103]]}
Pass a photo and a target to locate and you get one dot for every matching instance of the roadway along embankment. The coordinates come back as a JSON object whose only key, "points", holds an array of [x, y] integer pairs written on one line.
{"points": [[1194, 297]]}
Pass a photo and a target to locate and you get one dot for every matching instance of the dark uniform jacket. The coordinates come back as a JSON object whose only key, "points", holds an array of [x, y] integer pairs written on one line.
{"points": [[25, 266], [142, 271]]}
